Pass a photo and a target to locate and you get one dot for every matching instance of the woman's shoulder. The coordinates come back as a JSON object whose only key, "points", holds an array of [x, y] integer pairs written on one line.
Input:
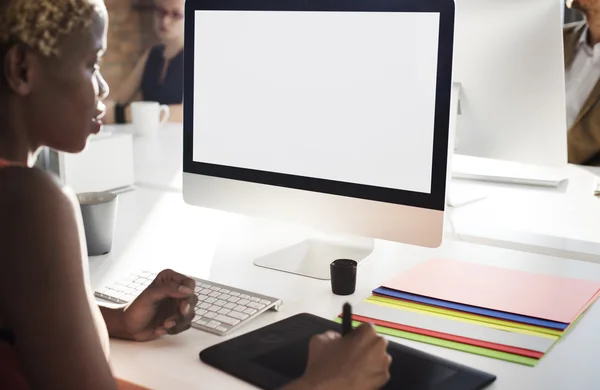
{"points": [[38, 225], [28, 183], [27, 189]]}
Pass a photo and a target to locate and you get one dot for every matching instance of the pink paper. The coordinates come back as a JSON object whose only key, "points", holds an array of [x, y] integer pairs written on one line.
{"points": [[535, 295]]}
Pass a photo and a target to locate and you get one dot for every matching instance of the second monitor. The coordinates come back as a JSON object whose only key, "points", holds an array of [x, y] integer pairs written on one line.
{"points": [[331, 114], [509, 62]]}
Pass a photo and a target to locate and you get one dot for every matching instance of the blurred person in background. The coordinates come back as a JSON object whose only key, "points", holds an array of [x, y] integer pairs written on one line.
{"points": [[158, 75], [582, 78]]}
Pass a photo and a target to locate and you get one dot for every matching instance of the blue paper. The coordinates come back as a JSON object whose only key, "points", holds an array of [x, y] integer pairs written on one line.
{"points": [[470, 309]]}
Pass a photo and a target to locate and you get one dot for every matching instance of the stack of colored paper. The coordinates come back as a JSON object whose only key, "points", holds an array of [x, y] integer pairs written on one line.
{"points": [[501, 313]]}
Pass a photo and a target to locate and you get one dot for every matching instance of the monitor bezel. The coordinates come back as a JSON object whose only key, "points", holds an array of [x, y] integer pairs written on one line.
{"points": [[435, 200]]}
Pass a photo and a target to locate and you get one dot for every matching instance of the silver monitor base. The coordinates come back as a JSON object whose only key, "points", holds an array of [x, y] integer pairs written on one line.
{"points": [[313, 256], [460, 194]]}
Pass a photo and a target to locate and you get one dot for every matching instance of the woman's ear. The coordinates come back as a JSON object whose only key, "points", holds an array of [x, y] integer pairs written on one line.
{"points": [[18, 69]]}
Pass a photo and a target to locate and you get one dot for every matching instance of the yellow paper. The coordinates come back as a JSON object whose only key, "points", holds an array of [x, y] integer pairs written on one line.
{"points": [[467, 317]]}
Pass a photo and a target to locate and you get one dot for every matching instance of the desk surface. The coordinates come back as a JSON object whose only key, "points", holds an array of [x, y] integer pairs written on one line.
{"points": [[156, 230], [158, 158], [553, 221], [557, 221]]}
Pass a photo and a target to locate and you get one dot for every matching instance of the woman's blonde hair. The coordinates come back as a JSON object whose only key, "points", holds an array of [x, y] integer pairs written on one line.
{"points": [[40, 24]]}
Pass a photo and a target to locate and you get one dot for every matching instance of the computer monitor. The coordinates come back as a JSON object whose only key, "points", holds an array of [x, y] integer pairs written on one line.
{"points": [[509, 63], [331, 114]]}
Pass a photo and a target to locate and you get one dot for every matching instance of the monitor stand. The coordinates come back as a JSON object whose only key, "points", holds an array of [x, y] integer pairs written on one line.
{"points": [[487, 169], [312, 256], [456, 194]]}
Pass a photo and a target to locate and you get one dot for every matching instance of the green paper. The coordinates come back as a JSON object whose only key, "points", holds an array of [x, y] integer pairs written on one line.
{"points": [[451, 344], [572, 324]]}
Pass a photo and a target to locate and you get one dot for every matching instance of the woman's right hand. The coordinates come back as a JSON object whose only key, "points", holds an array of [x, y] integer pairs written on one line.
{"points": [[357, 361]]}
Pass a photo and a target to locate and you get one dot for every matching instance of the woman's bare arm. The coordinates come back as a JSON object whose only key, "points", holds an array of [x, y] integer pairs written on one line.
{"points": [[127, 91], [176, 113], [42, 286]]}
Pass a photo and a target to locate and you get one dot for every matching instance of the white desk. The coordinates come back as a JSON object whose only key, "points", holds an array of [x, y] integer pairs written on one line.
{"points": [[158, 159], [561, 221], [155, 229]]}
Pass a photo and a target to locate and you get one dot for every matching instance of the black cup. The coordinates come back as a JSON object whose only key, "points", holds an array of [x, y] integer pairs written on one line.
{"points": [[343, 276]]}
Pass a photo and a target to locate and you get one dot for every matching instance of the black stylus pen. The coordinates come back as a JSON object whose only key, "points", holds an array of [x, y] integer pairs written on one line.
{"points": [[346, 319]]}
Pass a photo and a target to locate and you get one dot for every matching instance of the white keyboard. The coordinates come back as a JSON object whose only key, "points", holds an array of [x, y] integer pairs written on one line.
{"points": [[220, 308]]}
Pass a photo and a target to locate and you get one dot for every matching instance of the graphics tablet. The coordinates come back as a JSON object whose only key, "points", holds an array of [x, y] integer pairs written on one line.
{"points": [[275, 355]]}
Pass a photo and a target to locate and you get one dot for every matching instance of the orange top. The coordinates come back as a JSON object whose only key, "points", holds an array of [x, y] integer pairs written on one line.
{"points": [[6, 163]]}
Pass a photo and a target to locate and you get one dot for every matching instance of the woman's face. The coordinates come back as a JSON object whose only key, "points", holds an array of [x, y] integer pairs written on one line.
{"points": [[66, 93], [168, 19]]}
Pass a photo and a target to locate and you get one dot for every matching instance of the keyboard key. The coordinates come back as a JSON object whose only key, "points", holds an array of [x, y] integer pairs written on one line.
{"points": [[238, 315], [206, 291], [221, 329], [210, 300], [227, 320], [210, 314], [255, 299], [214, 294], [204, 285], [224, 296], [240, 308], [233, 299], [213, 324], [215, 288], [225, 291], [250, 311], [201, 322], [197, 317], [204, 305], [244, 296], [214, 308], [265, 302], [197, 289], [104, 291], [255, 305], [201, 312], [243, 302], [220, 303], [229, 305], [202, 297], [223, 311], [234, 293]]}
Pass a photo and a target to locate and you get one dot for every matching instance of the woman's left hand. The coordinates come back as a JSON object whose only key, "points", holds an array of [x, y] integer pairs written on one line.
{"points": [[167, 305]]}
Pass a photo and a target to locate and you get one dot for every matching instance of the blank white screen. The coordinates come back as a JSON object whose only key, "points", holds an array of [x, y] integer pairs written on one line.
{"points": [[332, 95]]}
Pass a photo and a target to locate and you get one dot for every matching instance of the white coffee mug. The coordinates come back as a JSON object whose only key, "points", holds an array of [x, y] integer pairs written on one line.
{"points": [[146, 116]]}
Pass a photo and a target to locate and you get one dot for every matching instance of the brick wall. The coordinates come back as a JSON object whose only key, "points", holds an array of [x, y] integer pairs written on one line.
{"points": [[130, 32]]}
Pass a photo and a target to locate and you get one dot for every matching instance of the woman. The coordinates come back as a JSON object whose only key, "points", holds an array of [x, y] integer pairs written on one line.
{"points": [[51, 329], [158, 75]]}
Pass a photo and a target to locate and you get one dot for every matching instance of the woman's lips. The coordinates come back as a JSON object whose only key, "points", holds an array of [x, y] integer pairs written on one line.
{"points": [[96, 125]]}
